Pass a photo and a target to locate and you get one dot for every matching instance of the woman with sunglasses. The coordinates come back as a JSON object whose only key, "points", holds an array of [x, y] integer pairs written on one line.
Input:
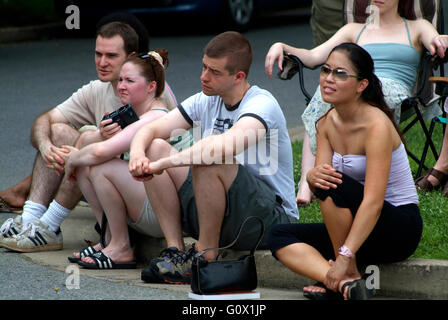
{"points": [[363, 183], [395, 44], [104, 178]]}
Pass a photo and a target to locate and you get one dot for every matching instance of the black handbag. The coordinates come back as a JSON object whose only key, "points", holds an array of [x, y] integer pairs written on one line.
{"points": [[223, 276]]}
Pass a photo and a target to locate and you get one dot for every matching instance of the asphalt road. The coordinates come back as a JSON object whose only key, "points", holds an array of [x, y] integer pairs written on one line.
{"points": [[24, 280]]}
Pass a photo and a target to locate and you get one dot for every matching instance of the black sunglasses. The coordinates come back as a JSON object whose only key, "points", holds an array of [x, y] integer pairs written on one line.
{"points": [[338, 74]]}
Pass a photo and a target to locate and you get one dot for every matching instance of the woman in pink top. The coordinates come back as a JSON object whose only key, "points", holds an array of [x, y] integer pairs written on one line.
{"points": [[104, 178]]}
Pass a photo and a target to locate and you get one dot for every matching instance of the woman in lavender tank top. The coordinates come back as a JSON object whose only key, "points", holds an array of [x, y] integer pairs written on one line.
{"points": [[365, 221]]}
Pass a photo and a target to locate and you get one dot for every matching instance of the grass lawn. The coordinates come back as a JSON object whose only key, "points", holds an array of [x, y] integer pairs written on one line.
{"points": [[433, 206]]}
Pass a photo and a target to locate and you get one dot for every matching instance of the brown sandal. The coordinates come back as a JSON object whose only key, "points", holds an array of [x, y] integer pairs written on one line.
{"points": [[5, 207], [422, 183]]}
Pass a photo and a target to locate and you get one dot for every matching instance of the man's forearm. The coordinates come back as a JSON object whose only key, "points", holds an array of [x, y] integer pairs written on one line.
{"points": [[217, 149], [40, 132]]}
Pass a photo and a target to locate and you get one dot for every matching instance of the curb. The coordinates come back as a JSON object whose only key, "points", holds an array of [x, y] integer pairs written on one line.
{"points": [[410, 279]]}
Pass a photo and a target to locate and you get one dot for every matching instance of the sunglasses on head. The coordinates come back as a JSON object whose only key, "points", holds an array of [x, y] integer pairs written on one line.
{"points": [[143, 55], [338, 74]]}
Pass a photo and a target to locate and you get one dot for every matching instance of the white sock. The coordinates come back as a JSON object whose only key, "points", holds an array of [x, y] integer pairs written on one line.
{"points": [[31, 211], [55, 215]]}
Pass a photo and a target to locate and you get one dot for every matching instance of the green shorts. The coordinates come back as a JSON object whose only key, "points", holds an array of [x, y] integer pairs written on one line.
{"points": [[248, 196]]}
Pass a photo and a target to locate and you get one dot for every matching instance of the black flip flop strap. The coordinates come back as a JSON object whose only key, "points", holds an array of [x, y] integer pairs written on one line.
{"points": [[102, 260], [87, 252], [347, 284]]}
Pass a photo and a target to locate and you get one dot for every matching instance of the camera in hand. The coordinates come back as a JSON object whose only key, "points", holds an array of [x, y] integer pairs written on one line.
{"points": [[124, 116]]}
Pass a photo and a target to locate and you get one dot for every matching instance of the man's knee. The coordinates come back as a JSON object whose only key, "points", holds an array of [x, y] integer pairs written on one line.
{"points": [[63, 134], [218, 168], [225, 172], [222, 170], [82, 141]]}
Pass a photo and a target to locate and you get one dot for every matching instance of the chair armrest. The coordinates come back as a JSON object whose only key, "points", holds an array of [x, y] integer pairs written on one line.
{"points": [[292, 65], [438, 79], [441, 85]]}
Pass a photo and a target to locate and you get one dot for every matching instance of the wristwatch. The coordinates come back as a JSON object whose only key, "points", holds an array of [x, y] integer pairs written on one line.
{"points": [[345, 251]]}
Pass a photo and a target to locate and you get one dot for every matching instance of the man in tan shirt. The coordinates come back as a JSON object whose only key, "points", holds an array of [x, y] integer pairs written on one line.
{"points": [[51, 196]]}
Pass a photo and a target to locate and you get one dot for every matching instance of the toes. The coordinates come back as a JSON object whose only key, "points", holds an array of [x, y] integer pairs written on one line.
{"points": [[87, 260], [314, 289]]}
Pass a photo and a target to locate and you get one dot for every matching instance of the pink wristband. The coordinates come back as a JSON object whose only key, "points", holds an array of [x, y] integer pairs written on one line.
{"points": [[345, 251]]}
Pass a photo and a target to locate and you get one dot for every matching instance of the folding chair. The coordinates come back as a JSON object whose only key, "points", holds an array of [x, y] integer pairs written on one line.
{"points": [[424, 92]]}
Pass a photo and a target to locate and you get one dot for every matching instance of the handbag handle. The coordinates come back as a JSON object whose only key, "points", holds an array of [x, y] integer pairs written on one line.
{"points": [[252, 251]]}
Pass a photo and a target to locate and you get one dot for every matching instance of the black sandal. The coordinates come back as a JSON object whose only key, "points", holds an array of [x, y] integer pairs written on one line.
{"points": [[86, 252], [102, 261], [357, 290], [6, 208], [327, 295]]}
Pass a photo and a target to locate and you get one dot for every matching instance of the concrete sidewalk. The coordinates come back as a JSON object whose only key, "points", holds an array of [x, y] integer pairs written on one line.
{"points": [[411, 279]]}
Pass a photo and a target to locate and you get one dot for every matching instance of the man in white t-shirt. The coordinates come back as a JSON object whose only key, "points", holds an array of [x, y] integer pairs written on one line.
{"points": [[51, 196], [240, 167]]}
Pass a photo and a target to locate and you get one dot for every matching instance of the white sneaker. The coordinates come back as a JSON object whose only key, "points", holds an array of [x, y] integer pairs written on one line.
{"points": [[11, 227], [35, 237]]}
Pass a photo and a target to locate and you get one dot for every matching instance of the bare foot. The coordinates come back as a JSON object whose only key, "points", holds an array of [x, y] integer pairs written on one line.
{"points": [[314, 289], [16, 195], [319, 291], [12, 199]]}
